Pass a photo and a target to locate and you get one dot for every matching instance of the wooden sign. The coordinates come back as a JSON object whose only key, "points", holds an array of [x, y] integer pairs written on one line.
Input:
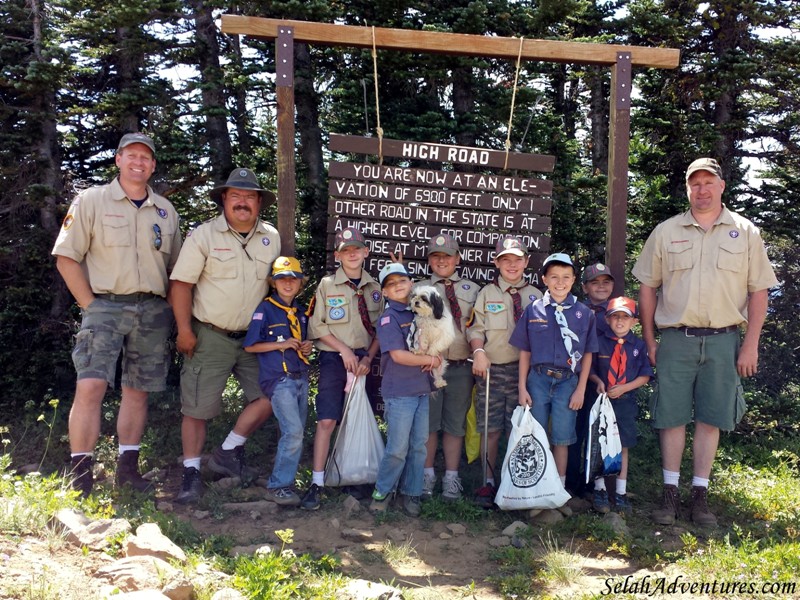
{"points": [[400, 208]]}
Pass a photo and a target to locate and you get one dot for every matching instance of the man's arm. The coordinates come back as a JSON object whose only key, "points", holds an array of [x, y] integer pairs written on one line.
{"points": [[747, 363], [180, 298], [647, 317], [76, 280]]}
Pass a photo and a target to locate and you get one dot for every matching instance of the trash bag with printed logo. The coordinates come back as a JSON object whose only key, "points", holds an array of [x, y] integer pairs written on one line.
{"points": [[603, 444]]}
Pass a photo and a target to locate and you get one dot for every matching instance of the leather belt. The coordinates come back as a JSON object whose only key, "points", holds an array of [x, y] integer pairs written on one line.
{"points": [[705, 331], [458, 363], [553, 372], [234, 335], [294, 375], [129, 298]]}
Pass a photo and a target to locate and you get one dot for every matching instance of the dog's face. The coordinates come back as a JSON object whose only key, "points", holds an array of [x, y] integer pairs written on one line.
{"points": [[427, 302]]}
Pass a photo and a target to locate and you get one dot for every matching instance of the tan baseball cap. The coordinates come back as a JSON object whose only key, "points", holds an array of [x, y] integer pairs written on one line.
{"points": [[704, 164]]}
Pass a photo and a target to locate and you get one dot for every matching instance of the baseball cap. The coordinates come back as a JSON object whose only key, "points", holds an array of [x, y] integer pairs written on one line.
{"points": [[510, 245], [392, 268], [621, 304], [349, 236], [136, 138], [241, 179], [704, 164], [443, 243], [559, 258], [287, 266], [594, 271]]}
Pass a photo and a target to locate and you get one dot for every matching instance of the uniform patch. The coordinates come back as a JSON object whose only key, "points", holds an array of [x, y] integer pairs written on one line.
{"points": [[527, 462], [376, 296], [495, 307], [532, 297], [265, 241], [336, 313], [636, 352], [385, 321], [335, 301], [67, 222], [734, 234], [579, 314], [466, 286], [161, 212], [258, 316]]}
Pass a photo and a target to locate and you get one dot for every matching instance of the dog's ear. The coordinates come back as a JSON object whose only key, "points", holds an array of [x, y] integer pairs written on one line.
{"points": [[438, 306]]}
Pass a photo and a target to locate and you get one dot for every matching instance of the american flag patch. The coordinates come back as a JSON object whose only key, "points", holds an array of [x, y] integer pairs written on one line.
{"points": [[258, 316], [385, 321]]}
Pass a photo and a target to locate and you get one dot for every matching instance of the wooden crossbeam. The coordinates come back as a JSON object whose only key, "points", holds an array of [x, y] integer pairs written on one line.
{"points": [[452, 43]]}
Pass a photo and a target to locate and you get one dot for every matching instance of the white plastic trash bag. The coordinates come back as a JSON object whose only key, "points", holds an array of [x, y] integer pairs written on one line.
{"points": [[529, 478], [358, 449], [603, 444]]}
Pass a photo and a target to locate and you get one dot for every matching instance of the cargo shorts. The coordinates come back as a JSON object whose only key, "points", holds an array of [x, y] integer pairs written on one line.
{"points": [[503, 397]]}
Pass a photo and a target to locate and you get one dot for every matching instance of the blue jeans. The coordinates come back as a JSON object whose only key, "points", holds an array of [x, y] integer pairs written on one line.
{"points": [[290, 405], [407, 424], [551, 405]]}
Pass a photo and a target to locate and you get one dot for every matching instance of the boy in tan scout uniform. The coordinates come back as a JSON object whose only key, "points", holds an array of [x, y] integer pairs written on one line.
{"points": [[449, 405], [498, 307], [115, 251], [219, 280], [344, 311]]}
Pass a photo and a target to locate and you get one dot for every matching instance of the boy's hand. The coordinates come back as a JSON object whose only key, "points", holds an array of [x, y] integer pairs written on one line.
{"points": [[291, 344], [576, 400], [480, 364], [615, 391], [350, 361], [601, 387], [525, 398], [306, 347], [363, 366]]}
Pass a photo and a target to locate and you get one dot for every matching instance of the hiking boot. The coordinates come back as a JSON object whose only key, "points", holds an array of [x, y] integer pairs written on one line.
{"points": [[700, 512], [354, 491], [128, 472], [600, 502], [411, 506], [428, 483], [379, 502], [622, 505], [312, 498], [191, 487], [484, 497], [231, 463], [81, 473], [284, 496], [451, 489], [670, 507]]}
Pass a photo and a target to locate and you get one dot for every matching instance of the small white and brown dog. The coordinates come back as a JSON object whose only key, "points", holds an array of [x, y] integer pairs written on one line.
{"points": [[435, 330]]}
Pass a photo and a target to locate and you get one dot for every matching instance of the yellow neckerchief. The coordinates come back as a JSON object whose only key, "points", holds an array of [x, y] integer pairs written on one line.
{"points": [[294, 326]]}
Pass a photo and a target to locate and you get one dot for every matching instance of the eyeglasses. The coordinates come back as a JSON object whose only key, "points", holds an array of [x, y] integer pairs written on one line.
{"points": [[157, 241]]}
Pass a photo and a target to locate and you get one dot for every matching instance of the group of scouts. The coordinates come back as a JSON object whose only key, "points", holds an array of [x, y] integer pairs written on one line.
{"points": [[234, 300]]}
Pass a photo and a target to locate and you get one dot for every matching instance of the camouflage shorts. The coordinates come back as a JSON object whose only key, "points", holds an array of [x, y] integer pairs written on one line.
{"points": [[503, 397], [140, 330]]}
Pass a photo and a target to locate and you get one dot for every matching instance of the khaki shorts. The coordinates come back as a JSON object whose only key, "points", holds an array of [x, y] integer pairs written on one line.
{"points": [[503, 397], [140, 330], [204, 376], [448, 406], [697, 377]]}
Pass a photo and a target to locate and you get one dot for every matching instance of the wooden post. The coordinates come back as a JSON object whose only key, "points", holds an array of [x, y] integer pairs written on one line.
{"points": [[284, 74], [618, 154]]}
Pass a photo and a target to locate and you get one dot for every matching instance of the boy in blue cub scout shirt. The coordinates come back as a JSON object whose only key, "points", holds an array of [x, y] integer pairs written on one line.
{"points": [[406, 388], [622, 366], [277, 333], [556, 337]]}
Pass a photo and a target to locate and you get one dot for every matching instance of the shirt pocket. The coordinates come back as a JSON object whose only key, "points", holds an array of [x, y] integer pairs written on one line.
{"points": [[679, 257], [116, 232], [221, 265], [338, 312], [731, 257], [263, 267], [496, 318]]}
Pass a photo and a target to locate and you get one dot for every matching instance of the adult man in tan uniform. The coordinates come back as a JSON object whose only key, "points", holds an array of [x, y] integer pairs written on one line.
{"points": [[218, 281], [115, 250], [714, 275]]}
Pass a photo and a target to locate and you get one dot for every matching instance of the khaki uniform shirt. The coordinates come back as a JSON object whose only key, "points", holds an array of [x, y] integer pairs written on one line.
{"points": [[115, 242], [230, 281], [493, 319], [466, 293], [335, 311], [704, 276]]}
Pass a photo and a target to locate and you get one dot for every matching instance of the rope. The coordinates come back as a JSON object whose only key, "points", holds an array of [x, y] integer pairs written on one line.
{"points": [[513, 101], [378, 128]]}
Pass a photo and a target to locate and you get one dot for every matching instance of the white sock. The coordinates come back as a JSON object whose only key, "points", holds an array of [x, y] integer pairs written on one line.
{"points": [[671, 477], [563, 479], [600, 484], [318, 477], [126, 448], [429, 472], [191, 462], [490, 481], [450, 474], [234, 440], [622, 486], [79, 454], [699, 482]]}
